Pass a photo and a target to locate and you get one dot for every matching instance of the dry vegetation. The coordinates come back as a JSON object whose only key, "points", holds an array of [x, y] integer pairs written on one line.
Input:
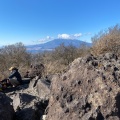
{"points": [[57, 60], [107, 41], [54, 62], [13, 55]]}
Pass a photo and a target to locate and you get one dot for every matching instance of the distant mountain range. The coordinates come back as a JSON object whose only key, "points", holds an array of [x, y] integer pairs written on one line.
{"points": [[51, 45]]}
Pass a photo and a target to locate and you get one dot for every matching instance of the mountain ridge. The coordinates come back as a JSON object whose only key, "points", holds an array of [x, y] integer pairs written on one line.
{"points": [[51, 45]]}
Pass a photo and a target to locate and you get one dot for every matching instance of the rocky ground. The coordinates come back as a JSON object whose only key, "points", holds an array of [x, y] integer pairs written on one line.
{"points": [[27, 101], [88, 90]]}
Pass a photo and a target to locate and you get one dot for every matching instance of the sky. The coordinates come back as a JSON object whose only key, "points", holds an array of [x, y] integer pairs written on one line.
{"points": [[39, 21]]}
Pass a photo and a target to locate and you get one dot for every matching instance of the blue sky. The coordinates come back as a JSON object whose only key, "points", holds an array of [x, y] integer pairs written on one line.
{"points": [[38, 21]]}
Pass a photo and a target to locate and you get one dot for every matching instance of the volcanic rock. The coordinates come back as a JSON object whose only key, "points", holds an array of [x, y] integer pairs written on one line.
{"points": [[88, 90], [6, 110]]}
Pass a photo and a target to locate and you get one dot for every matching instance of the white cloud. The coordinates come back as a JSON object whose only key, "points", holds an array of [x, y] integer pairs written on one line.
{"points": [[64, 36], [78, 34], [43, 40], [72, 36], [46, 39]]}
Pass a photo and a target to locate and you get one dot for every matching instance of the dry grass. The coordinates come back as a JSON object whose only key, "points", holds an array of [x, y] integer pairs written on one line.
{"points": [[107, 41]]}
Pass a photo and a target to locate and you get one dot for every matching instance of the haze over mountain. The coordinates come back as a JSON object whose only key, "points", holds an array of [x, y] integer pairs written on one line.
{"points": [[51, 45]]}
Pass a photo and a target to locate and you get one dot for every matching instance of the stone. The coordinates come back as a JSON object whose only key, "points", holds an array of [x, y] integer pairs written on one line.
{"points": [[6, 110]]}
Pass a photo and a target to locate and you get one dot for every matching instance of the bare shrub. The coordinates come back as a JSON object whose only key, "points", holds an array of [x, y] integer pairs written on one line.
{"points": [[107, 41], [14, 55], [65, 54], [83, 50], [57, 61]]}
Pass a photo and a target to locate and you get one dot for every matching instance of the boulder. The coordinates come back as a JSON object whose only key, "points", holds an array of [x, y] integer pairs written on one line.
{"points": [[24, 105], [23, 100], [6, 110], [88, 90], [35, 70], [43, 88], [28, 107], [33, 82]]}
